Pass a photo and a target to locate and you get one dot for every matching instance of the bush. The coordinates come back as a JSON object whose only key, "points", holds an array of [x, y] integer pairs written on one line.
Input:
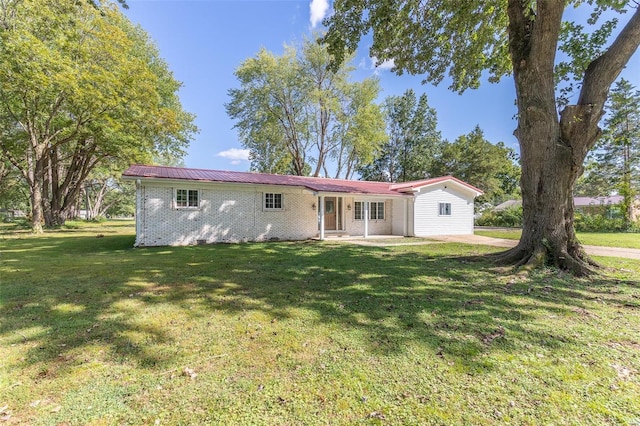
{"points": [[510, 218], [585, 222]]}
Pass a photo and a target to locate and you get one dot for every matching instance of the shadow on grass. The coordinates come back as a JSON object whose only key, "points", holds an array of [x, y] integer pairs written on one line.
{"points": [[63, 293]]}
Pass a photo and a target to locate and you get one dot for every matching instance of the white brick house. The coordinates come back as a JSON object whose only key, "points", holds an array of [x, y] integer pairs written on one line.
{"points": [[179, 206]]}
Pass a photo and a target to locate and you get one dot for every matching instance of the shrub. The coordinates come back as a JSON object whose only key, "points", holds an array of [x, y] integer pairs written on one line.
{"points": [[585, 222], [510, 217]]}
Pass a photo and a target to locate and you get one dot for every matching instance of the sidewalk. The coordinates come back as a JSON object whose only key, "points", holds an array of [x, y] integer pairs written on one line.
{"points": [[380, 241], [627, 253]]}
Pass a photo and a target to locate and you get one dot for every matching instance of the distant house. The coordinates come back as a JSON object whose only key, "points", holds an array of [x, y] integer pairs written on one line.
{"points": [[603, 205], [179, 206], [591, 205]]}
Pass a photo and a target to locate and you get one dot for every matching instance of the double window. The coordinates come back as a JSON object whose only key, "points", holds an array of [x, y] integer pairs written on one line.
{"points": [[187, 198], [272, 201], [376, 210], [444, 209]]}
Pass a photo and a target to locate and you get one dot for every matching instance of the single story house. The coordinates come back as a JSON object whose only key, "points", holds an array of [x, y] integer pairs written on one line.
{"points": [[181, 206]]}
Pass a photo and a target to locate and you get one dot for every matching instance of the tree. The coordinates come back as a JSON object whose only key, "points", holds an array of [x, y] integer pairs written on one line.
{"points": [[618, 151], [523, 38], [413, 141], [79, 86], [292, 112], [484, 165]]}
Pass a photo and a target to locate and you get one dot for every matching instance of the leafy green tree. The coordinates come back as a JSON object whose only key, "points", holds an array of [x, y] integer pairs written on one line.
{"points": [[520, 37], [484, 165], [14, 193], [79, 86], [413, 140], [293, 112], [618, 151]]}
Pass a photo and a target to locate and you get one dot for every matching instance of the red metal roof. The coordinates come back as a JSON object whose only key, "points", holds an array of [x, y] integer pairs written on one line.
{"points": [[312, 183]]}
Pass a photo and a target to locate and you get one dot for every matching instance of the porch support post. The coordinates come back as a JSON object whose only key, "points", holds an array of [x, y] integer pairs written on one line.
{"points": [[405, 217], [321, 206], [366, 219]]}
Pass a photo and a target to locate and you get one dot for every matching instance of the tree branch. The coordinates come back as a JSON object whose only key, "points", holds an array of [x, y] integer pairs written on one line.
{"points": [[604, 70]]}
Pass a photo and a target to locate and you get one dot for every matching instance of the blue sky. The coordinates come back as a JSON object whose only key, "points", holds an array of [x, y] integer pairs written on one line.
{"points": [[204, 41]]}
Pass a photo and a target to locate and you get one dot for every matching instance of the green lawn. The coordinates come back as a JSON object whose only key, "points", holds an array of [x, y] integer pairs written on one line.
{"points": [[93, 331], [625, 240]]}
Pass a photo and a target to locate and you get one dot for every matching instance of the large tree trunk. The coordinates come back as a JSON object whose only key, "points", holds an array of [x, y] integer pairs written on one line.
{"points": [[552, 147]]}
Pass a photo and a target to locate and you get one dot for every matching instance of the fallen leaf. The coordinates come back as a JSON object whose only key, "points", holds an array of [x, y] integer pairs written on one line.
{"points": [[376, 415], [189, 372]]}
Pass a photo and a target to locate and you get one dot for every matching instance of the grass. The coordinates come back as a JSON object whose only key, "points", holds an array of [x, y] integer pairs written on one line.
{"points": [[605, 239], [95, 332]]}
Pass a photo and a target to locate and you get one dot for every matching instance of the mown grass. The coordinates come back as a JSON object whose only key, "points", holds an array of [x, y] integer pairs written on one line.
{"points": [[604, 239], [93, 331]]}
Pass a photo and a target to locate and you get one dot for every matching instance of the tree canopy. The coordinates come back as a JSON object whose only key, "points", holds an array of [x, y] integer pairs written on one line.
{"points": [[554, 62], [80, 86], [414, 141], [490, 167], [615, 164], [294, 114]]}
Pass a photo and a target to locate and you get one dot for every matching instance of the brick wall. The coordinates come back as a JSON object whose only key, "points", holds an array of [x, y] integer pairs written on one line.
{"points": [[224, 215]]}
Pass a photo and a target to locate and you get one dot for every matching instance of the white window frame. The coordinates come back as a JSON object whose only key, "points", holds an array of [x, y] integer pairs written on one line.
{"points": [[375, 213], [273, 199], [188, 199], [444, 209], [375, 210], [358, 210]]}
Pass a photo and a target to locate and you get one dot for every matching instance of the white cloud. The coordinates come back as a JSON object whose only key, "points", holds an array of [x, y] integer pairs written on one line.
{"points": [[235, 155], [318, 10], [384, 66]]}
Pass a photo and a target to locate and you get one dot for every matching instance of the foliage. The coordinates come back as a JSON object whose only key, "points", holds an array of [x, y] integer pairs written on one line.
{"points": [[587, 222], [80, 86], [490, 167], [510, 217], [413, 141], [14, 192], [306, 333], [293, 113], [615, 166]]}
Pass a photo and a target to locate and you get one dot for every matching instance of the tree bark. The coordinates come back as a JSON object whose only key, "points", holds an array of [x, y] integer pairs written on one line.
{"points": [[553, 147]]}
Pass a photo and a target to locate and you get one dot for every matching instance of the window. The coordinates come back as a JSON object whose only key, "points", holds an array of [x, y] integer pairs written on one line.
{"points": [[272, 201], [358, 208], [445, 209], [187, 198], [376, 210]]}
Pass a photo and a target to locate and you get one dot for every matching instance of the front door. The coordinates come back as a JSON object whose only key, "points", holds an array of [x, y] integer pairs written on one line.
{"points": [[330, 213]]}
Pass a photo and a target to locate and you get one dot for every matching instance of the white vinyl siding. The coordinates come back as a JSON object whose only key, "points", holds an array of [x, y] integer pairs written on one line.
{"points": [[431, 208]]}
